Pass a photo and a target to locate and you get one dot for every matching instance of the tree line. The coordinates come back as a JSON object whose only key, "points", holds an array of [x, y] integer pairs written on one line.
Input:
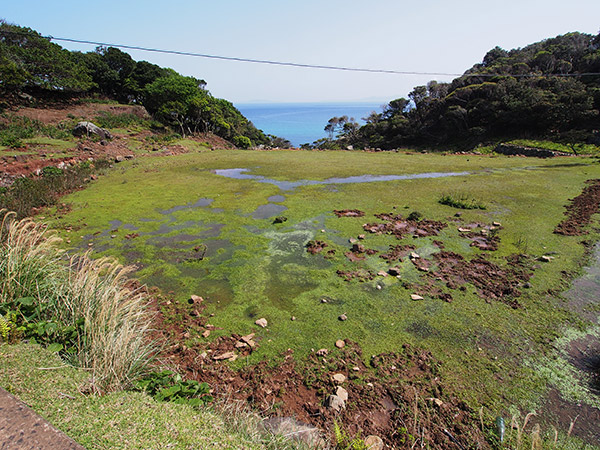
{"points": [[547, 90], [32, 64]]}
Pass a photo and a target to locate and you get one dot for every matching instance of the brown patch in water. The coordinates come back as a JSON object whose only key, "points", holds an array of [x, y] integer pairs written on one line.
{"points": [[396, 225], [315, 246]]}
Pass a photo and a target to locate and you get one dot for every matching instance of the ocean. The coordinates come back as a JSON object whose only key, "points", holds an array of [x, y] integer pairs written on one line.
{"points": [[302, 123]]}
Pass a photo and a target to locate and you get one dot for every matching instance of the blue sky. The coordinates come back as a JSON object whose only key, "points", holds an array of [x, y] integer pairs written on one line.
{"points": [[427, 36]]}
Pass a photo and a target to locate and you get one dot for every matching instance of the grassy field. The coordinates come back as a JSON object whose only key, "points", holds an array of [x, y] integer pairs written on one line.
{"points": [[191, 231]]}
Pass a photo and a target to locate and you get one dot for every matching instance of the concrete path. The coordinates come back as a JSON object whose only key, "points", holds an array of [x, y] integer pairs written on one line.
{"points": [[21, 428]]}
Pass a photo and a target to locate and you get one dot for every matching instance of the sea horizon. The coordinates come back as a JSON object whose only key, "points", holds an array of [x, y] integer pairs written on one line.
{"points": [[303, 122]]}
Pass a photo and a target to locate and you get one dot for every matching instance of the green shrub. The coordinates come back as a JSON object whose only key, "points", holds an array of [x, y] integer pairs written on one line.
{"points": [[169, 387], [242, 142], [460, 201]]}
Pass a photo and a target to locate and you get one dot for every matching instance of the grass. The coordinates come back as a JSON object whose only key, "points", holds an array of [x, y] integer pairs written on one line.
{"points": [[91, 296], [580, 149], [124, 420], [254, 268]]}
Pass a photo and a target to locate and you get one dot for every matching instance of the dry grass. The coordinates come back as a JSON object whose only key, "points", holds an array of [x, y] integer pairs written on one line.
{"points": [[113, 343]]}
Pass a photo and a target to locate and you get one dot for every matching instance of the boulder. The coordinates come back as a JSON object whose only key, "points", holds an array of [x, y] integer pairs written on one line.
{"points": [[262, 322], [336, 403], [342, 393], [87, 128], [339, 377]]}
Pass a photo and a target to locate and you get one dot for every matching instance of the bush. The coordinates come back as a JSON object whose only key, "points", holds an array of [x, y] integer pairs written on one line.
{"points": [[460, 201], [86, 307], [242, 142]]}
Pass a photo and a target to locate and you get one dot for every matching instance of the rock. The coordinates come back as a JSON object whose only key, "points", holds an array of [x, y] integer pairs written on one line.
{"points": [[248, 338], [293, 318], [378, 287], [340, 343], [463, 230], [497, 224], [394, 271], [416, 297], [381, 273], [206, 333], [119, 159], [414, 255], [339, 377], [322, 352], [129, 156], [341, 393], [437, 401], [527, 285], [335, 403], [545, 258], [262, 322], [361, 236], [356, 369], [87, 128], [293, 429], [324, 300], [280, 219], [240, 344], [230, 356], [352, 240], [373, 442], [195, 299], [343, 317]]}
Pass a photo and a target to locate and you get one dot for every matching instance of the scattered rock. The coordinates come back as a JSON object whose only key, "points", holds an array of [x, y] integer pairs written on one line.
{"points": [[348, 213], [262, 322], [340, 343], [416, 297], [280, 219], [352, 240], [206, 333], [324, 300], [496, 224], [414, 255], [119, 159], [322, 352], [339, 377], [545, 258], [341, 393], [361, 236], [343, 317], [374, 443], [335, 403], [381, 273]]}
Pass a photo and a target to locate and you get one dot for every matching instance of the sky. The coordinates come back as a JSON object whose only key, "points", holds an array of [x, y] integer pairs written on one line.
{"points": [[418, 36]]}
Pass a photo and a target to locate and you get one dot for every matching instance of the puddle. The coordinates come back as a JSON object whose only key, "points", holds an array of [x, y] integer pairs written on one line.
{"points": [[276, 198], [240, 174], [583, 294], [268, 210], [202, 202]]}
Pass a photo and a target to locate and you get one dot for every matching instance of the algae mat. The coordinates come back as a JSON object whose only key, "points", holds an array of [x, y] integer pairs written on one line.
{"points": [[204, 224]]}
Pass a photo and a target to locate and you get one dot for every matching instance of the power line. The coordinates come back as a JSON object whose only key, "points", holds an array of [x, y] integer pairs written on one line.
{"points": [[301, 65]]}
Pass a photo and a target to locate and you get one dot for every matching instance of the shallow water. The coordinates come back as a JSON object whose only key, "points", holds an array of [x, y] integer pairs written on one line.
{"points": [[240, 174]]}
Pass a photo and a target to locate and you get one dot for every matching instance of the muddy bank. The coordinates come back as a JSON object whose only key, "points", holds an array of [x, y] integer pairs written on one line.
{"points": [[580, 210]]}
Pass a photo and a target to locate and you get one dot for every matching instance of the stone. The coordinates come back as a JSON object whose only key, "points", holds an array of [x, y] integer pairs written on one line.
{"points": [[262, 322], [231, 356], [437, 401], [342, 393], [352, 240], [206, 333], [87, 128], [339, 377], [324, 300], [292, 429], [394, 271], [416, 297], [378, 287], [463, 230], [356, 369], [322, 352], [373, 442], [195, 299], [335, 403], [240, 344], [381, 273], [280, 219], [293, 318], [361, 236], [414, 255], [497, 224], [248, 338], [340, 343], [545, 258], [119, 159], [343, 317]]}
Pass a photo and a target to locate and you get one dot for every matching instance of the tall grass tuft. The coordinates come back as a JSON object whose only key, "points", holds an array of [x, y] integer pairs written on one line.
{"points": [[113, 342]]}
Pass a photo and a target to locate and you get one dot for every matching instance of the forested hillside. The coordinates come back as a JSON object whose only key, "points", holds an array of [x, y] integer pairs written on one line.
{"points": [[31, 64], [547, 90]]}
